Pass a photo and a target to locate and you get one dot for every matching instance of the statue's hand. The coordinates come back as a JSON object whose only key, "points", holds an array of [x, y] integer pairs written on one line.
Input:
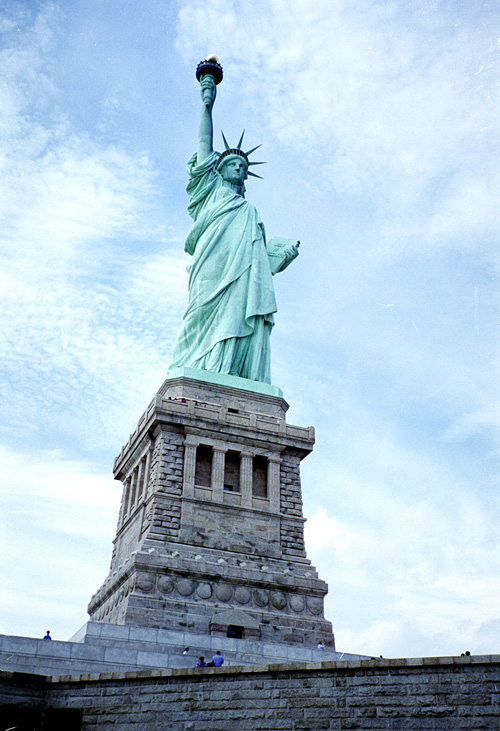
{"points": [[292, 252], [208, 90]]}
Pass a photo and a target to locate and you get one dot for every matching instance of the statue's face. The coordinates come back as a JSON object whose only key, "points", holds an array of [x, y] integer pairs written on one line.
{"points": [[234, 170]]}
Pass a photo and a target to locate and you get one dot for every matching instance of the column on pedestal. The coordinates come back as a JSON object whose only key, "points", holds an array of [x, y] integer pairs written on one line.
{"points": [[189, 468], [147, 473], [218, 474], [273, 483], [246, 474]]}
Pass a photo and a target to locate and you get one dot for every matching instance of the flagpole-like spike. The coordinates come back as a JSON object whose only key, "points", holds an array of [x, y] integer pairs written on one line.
{"points": [[257, 163], [225, 141], [241, 140], [253, 149], [254, 175]]}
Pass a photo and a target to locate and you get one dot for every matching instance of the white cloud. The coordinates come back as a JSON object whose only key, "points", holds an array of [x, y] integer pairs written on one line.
{"points": [[67, 199], [407, 543], [85, 289], [63, 194], [426, 576], [58, 519], [476, 422], [373, 97], [48, 481], [323, 531]]}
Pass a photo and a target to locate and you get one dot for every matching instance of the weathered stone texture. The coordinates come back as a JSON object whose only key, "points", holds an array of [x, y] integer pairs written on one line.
{"points": [[167, 461], [435, 694], [291, 495], [212, 496]]}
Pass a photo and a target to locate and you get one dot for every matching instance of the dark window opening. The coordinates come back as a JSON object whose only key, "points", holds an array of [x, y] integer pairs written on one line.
{"points": [[234, 630], [232, 472], [203, 472], [233, 411], [259, 477]]}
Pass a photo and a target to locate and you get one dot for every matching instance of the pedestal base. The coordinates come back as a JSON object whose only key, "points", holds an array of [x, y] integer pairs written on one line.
{"points": [[210, 533]]}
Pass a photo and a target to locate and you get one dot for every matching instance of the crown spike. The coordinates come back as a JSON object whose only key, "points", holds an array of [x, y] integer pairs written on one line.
{"points": [[257, 163], [253, 149], [241, 140], [225, 141], [254, 175]]}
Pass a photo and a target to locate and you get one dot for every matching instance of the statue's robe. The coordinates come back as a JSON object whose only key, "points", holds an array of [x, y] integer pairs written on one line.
{"points": [[229, 318]]}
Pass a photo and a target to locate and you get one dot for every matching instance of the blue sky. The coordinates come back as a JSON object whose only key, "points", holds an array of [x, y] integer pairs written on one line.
{"points": [[380, 127]]}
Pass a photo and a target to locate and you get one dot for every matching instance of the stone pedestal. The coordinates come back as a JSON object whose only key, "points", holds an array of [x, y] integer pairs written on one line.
{"points": [[210, 532]]}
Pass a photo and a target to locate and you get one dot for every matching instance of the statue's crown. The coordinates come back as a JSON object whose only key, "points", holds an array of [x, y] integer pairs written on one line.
{"points": [[238, 151]]}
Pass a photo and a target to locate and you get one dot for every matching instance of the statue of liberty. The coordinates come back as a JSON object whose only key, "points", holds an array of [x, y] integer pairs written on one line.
{"points": [[230, 314]]}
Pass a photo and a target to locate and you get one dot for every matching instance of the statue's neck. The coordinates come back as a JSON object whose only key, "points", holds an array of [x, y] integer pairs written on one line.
{"points": [[235, 187]]}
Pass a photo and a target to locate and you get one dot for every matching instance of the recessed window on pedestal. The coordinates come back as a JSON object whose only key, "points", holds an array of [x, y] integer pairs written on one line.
{"points": [[232, 472]]}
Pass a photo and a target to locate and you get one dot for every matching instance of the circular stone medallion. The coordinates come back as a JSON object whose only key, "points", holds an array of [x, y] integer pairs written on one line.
{"points": [[165, 584], [260, 597], [278, 600], [185, 587], [297, 603], [242, 595], [315, 605], [224, 592], [144, 583], [204, 590]]}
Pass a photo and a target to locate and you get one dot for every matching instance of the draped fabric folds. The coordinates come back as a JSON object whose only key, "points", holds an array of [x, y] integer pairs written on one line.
{"points": [[229, 318]]}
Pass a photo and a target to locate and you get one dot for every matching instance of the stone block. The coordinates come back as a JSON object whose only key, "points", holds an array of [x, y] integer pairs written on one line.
{"points": [[115, 631], [156, 659], [55, 648], [144, 634], [87, 652], [20, 645], [121, 655], [300, 654]]}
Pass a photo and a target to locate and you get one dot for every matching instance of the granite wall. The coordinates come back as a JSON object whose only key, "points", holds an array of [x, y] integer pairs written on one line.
{"points": [[430, 694]]}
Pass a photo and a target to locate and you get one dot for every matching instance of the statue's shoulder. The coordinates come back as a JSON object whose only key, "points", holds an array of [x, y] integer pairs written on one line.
{"points": [[207, 167], [203, 186], [203, 177]]}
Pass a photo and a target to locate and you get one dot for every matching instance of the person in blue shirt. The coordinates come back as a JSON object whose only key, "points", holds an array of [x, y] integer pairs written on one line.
{"points": [[217, 659]]}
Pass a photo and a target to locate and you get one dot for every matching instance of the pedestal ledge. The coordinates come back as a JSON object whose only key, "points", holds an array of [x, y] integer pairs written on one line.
{"points": [[222, 379]]}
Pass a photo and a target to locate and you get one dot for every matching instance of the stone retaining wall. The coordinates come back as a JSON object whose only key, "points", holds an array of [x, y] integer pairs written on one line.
{"points": [[430, 694], [104, 648]]}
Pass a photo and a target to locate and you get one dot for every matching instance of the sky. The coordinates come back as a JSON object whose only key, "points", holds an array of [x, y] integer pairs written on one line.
{"points": [[379, 122]]}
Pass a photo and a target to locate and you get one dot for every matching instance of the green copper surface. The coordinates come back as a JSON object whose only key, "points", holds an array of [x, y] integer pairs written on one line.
{"points": [[230, 313]]}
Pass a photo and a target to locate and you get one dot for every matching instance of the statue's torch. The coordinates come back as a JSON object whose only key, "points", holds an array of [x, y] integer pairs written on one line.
{"points": [[210, 66]]}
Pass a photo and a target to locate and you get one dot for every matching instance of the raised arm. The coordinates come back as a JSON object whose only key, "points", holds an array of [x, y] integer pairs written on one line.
{"points": [[205, 129]]}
